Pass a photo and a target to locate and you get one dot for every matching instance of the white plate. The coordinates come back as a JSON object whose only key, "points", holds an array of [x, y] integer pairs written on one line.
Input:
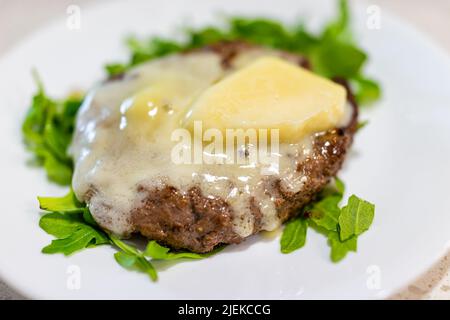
{"points": [[399, 162]]}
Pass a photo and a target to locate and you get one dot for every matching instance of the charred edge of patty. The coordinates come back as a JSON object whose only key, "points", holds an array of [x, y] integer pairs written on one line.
{"points": [[198, 223]]}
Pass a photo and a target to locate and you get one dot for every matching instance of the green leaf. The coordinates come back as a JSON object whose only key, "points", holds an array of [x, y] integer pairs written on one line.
{"points": [[337, 59], [133, 259], [325, 212], [339, 29], [356, 217], [303, 41], [87, 217], [362, 124], [126, 260], [145, 266], [63, 204], [115, 69], [144, 50], [206, 36], [125, 247], [158, 252], [294, 235], [57, 171], [260, 31], [339, 185], [80, 239], [367, 91], [60, 225], [339, 249], [67, 223], [47, 132]]}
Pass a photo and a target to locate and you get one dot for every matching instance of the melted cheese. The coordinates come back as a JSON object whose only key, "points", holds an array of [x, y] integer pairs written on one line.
{"points": [[123, 140]]}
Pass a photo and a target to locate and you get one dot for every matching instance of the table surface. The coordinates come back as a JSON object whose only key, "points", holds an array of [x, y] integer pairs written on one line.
{"points": [[431, 19]]}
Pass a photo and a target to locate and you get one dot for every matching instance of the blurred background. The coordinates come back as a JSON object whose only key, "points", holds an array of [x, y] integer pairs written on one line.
{"points": [[20, 18]]}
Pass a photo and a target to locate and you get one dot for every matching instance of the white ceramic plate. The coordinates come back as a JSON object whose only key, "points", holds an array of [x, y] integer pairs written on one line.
{"points": [[399, 162]]}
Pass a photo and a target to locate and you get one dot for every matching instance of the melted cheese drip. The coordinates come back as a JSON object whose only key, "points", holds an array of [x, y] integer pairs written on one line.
{"points": [[115, 151]]}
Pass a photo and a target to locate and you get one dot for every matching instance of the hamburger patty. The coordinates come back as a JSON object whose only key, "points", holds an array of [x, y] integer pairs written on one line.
{"points": [[198, 222]]}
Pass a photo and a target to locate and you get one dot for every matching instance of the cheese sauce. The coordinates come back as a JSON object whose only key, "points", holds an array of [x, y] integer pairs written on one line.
{"points": [[123, 141]]}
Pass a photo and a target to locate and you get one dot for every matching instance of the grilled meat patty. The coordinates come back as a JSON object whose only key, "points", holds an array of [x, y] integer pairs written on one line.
{"points": [[198, 221]]}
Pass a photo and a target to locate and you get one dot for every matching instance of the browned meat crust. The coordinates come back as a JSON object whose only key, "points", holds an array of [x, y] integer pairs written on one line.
{"points": [[198, 223]]}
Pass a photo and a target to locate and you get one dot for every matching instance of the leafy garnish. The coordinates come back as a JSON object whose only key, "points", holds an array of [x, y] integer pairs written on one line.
{"points": [[133, 259], [332, 52], [82, 238], [339, 249], [339, 29], [367, 90], [72, 231], [47, 132], [294, 235], [115, 69], [362, 124], [325, 212], [75, 229], [337, 59], [341, 226], [66, 203], [158, 252], [67, 222], [356, 217]]}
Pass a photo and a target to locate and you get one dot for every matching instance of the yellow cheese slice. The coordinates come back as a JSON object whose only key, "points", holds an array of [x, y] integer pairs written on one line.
{"points": [[270, 93]]}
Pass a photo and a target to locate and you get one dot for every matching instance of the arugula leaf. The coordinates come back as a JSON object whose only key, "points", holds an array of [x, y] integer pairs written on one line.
{"points": [[47, 131], [66, 203], [325, 212], [339, 185], [87, 217], [337, 59], [206, 36], [260, 31], [341, 226], [158, 252], [115, 69], [362, 124], [78, 240], [367, 90], [57, 171], [294, 235], [337, 55], [126, 260], [339, 249], [339, 29], [72, 232], [71, 222], [154, 48], [75, 229], [60, 225], [302, 41], [356, 217], [132, 258], [133, 262]]}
